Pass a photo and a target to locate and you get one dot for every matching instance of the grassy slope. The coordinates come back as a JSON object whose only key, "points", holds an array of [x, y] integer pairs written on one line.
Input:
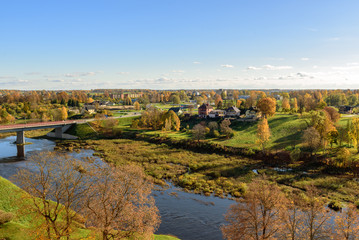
{"points": [[286, 130], [20, 226]]}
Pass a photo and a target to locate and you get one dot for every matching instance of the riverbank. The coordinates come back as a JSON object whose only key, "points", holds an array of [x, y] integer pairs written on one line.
{"points": [[22, 226]]}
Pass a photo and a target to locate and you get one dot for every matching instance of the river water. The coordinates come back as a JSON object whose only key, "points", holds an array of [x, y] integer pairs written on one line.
{"points": [[185, 215]]}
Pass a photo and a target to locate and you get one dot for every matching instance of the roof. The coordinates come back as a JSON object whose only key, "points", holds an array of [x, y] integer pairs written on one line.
{"points": [[205, 106], [234, 109], [175, 109]]}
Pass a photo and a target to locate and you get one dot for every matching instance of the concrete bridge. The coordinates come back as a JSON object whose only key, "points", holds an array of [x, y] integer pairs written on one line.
{"points": [[60, 128]]}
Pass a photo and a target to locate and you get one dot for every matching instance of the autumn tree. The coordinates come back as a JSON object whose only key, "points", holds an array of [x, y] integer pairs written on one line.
{"points": [[176, 99], [295, 105], [171, 121], [225, 129], [63, 112], [218, 101], [137, 105], [120, 205], [55, 189], [315, 217], [333, 114], [198, 132], [292, 217], [354, 132], [256, 215], [347, 224], [263, 133], [238, 103], [312, 139], [267, 106], [285, 105], [128, 101]]}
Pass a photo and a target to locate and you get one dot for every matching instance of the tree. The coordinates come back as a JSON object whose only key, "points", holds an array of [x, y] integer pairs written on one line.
{"points": [[256, 215], [238, 103], [311, 138], [267, 106], [225, 129], [263, 133], [347, 224], [218, 101], [315, 217], [354, 132], [172, 121], [198, 132], [295, 105], [137, 106], [128, 100], [292, 217], [55, 190], [285, 105], [333, 114], [176, 99], [63, 113], [119, 204]]}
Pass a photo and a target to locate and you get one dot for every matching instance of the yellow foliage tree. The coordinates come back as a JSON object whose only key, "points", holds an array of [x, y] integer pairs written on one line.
{"points": [[137, 106], [267, 106], [63, 113], [285, 105], [263, 133]]}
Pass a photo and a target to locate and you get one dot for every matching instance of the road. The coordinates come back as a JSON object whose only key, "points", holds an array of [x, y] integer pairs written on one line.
{"points": [[39, 125]]}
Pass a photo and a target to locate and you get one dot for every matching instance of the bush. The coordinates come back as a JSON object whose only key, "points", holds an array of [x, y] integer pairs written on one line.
{"points": [[295, 154], [5, 217]]}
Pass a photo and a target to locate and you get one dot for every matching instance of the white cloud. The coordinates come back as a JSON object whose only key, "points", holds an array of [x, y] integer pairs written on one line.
{"points": [[177, 71], [304, 59], [124, 73], [195, 62], [253, 68], [271, 67], [227, 66]]}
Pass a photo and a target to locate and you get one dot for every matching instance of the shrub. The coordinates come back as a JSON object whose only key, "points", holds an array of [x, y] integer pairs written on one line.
{"points": [[5, 217], [295, 154]]}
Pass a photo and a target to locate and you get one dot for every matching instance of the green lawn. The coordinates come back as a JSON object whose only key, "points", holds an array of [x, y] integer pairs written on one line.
{"points": [[286, 131]]}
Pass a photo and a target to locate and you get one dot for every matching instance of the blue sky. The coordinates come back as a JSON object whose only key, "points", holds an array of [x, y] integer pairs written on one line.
{"points": [[179, 44]]}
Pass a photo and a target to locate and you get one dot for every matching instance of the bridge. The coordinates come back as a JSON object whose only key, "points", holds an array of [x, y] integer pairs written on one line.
{"points": [[60, 128]]}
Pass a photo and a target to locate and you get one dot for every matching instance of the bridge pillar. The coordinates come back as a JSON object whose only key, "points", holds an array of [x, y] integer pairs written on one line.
{"points": [[20, 138], [58, 132], [20, 150]]}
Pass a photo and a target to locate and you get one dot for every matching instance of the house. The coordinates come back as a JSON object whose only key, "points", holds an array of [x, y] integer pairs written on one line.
{"points": [[204, 110], [176, 110], [278, 97], [217, 113], [89, 108], [251, 113], [233, 112], [346, 109]]}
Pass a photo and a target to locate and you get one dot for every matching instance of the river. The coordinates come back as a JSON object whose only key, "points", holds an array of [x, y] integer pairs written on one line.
{"points": [[185, 215]]}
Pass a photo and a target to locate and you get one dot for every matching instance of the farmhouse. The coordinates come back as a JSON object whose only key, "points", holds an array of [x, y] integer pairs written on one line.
{"points": [[217, 113], [233, 112], [204, 110]]}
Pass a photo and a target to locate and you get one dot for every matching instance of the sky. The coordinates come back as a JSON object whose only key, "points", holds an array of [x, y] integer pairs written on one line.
{"points": [[179, 44]]}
